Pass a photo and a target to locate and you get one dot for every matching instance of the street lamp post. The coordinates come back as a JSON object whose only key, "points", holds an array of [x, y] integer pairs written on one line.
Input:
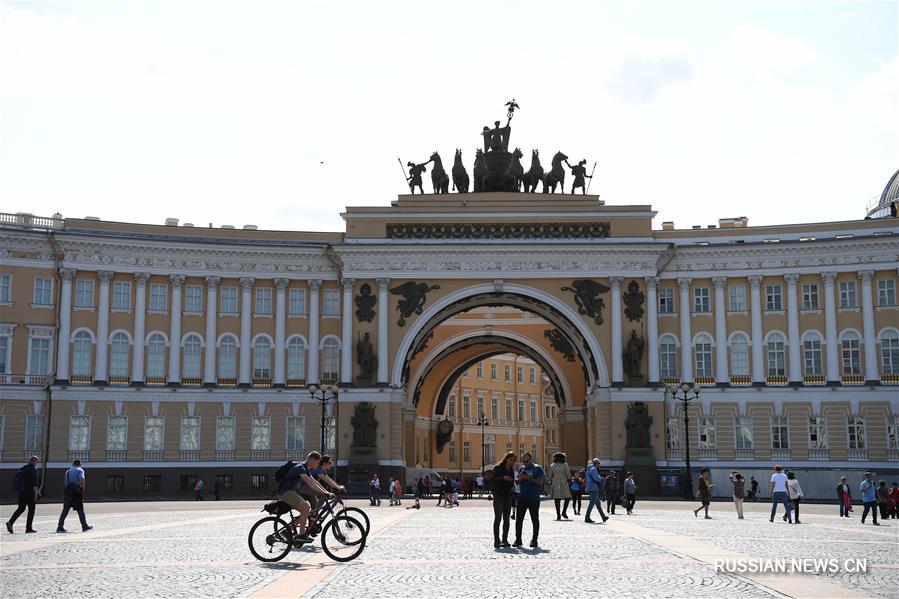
{"points": [[324, 394], [685, 394], [482, 422]]}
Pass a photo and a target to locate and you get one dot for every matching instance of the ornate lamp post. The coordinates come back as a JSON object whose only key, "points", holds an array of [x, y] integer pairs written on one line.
{"points": [[685, 394], [482, 422], [324, 394]]}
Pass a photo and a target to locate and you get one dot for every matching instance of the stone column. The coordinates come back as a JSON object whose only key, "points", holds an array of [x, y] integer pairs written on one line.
{"points": [[246, 329], [794, 356], [175, 331], [140, 319], [830, 329], [209, 370], [721, 370], [65, 324], [315, 286], [872, 371], [383, 362], [101, 364], [686, 332], [758, 349], [346, 342], [280, 330], [652, 329], [617, 357]]}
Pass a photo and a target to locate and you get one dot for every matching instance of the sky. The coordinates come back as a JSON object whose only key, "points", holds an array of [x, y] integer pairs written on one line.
{"points": [[282, 113]]}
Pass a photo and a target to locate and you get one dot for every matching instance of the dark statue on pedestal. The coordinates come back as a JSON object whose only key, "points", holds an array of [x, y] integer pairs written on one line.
{"points": [[580, 175], [633, 359], [414, 178], [460, 177], [439, 178], [365, 430], [556, 175], [633, 301], [534, 174], [365, 304], [640, 459], [637, 425], [366, 358]]}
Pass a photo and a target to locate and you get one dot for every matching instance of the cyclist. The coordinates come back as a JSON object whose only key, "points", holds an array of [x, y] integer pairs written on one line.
{"points": [[322, 475], [299, 481]]}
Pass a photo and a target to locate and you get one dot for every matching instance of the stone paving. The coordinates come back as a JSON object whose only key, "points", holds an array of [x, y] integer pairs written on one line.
{"points": [[183, 549]]}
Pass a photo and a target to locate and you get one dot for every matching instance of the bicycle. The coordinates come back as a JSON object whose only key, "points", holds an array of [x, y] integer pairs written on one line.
{"points": [[342, 537]]}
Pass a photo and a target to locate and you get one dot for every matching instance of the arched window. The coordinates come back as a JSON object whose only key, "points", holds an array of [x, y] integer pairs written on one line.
{"points": [[667, 357], [702, 356], [330, 360], [190, 357], [850, 344], [811, 354], [118, 355], [889, 352], [156, 357], [739, 355], [296, 359], [776, 357], [227, 358], [262, 358], [81, 354]]}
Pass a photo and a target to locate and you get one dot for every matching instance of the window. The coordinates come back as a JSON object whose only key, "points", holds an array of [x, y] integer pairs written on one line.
{"points": [[5, 288], [34, 433], [480, 411], [889, 352], [115, 483], [116, 433], [848, 297], [494, 407], [886, 292], [780, 433], [534, 415], [810, 296], [672, 433], [296, 426], [332, 302], [263, 300], [508, 409], [193, 300], [81, 354], [466, 451], [811, 355], [159, 297], [851, 353], [152, 483], [452, 452], [79, 433], [856, 426], [666, 300], [4, 351], [190, 433], [736, 296], [224, 433], [121, 295], [817, 432], [774, 298], [156, 356], [190, 357], [330, 360], [259, 482], [667, 358], [153, 433], [296, 359], [296, 304], [39, 363], [776, 356], [493, 372], [892, 432], [507, 373], [521, 414], [84, 293], [702, 351], [707, 439], [466, 405], [532, 376], [479, 370], [262, 358], [701, 301], [451, 407], [228, 358], [743, 433], [188, 481], [225, 482], [520, 372], [119, 347], [739, 355], [228, 302], [261, 433], [43, 291]]}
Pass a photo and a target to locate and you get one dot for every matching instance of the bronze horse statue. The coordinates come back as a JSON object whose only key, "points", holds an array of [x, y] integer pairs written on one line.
{"points": [[439, 178], [515, 173], [556, 175], [460, 176], [534, 174], [480, 171]]}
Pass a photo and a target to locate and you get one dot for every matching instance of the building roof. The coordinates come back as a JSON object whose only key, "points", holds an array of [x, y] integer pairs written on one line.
{"points": [[890, 194]]}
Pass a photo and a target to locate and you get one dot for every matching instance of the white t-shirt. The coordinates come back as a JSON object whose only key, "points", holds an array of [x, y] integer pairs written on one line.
{"points": [[780, 482], [480, 481]]}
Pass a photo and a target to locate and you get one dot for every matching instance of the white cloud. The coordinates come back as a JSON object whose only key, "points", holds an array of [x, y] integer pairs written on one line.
{"points": [[754, 48]]}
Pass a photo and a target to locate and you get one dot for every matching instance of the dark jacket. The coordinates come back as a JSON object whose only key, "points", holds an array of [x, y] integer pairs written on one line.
{"points": [[27, 479], [502, 487], [840, 491], [610, 487]]}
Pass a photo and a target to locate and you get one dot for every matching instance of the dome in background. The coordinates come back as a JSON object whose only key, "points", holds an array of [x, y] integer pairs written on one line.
{"points": [[882, 208]]}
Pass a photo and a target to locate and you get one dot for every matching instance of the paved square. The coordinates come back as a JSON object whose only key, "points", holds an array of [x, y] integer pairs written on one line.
{"points": [[183, 549]]}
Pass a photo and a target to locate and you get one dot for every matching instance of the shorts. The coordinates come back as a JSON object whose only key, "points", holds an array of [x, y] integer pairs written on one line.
{"points": [[293, 499]]}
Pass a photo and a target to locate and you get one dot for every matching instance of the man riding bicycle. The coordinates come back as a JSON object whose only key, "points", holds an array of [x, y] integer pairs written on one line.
{"points": [[320, 474], [299, 481]]}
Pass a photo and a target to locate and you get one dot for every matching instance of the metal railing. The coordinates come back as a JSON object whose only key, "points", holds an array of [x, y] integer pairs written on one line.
{"points": [[224, 455], [740, 380], [116, 455], [893, 455], [190, 455], [79, 455], [153, 455], [260, 455], [675, 454], [818, 453], [780, 454], [294, 454], [744, 454], [858, 454], [708, 454]]}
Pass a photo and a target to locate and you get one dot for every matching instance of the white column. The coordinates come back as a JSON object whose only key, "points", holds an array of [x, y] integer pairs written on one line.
{"points": [[209, 374], [102, 361], [794, 356], [280, 329], [314, 290], [246, 329], [617, 357], [652, 328], [686, 332], [65, 324], [383, 365], [758, 349], [175, 330], [721, 370], [872, 372], [346, 342], [140, 317], [830, 329]]}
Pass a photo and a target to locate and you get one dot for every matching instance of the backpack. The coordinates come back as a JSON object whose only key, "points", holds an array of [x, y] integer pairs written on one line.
{"points": [[281, 472]]}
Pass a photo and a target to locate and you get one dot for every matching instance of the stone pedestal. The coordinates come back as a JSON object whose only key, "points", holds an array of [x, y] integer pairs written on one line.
{"points": [[497, 165], [642, 463], [636, 380]]}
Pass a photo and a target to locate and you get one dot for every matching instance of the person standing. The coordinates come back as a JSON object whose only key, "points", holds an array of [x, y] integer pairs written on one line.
{"points": [[779, 492], [577, 490], [502, 480], [795, 492], [753, 489], [737, 480], [883, 499], [374, 490], [894, 500], [844, 497], [869, 498], [610, 490], [594, 490], [480, 482], [74, 485], [559, 479], [705, 493], [27, 487], [630, 493], [198, 490], [530, 477], [217, 489]]}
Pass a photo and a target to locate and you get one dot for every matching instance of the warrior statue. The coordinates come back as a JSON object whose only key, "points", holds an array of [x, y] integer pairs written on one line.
{"points": [[580, 175], [414, 178], [365, 356], [633, 355], [497, 139]]}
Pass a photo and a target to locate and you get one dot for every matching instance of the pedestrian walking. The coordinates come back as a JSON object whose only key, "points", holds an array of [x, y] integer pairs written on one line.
{"points": [[894, 500], [577, 490], [530, 477], [610, 491], [502, 483], [217, 489], [74, 485], [198, 490], [630, 493], [26, 487], [374, 490], [795, 492], [844, 497], [704, 492], [559, 479], [883, 499], [428, 486], [779, 492], [594, 490], [737, 480], [869, 498], [480, 483], [753, 489]]}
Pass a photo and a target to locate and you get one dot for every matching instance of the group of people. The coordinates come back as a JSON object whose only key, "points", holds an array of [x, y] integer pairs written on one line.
{"points": [[304, 486], [875, 497], [26, 486]]}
